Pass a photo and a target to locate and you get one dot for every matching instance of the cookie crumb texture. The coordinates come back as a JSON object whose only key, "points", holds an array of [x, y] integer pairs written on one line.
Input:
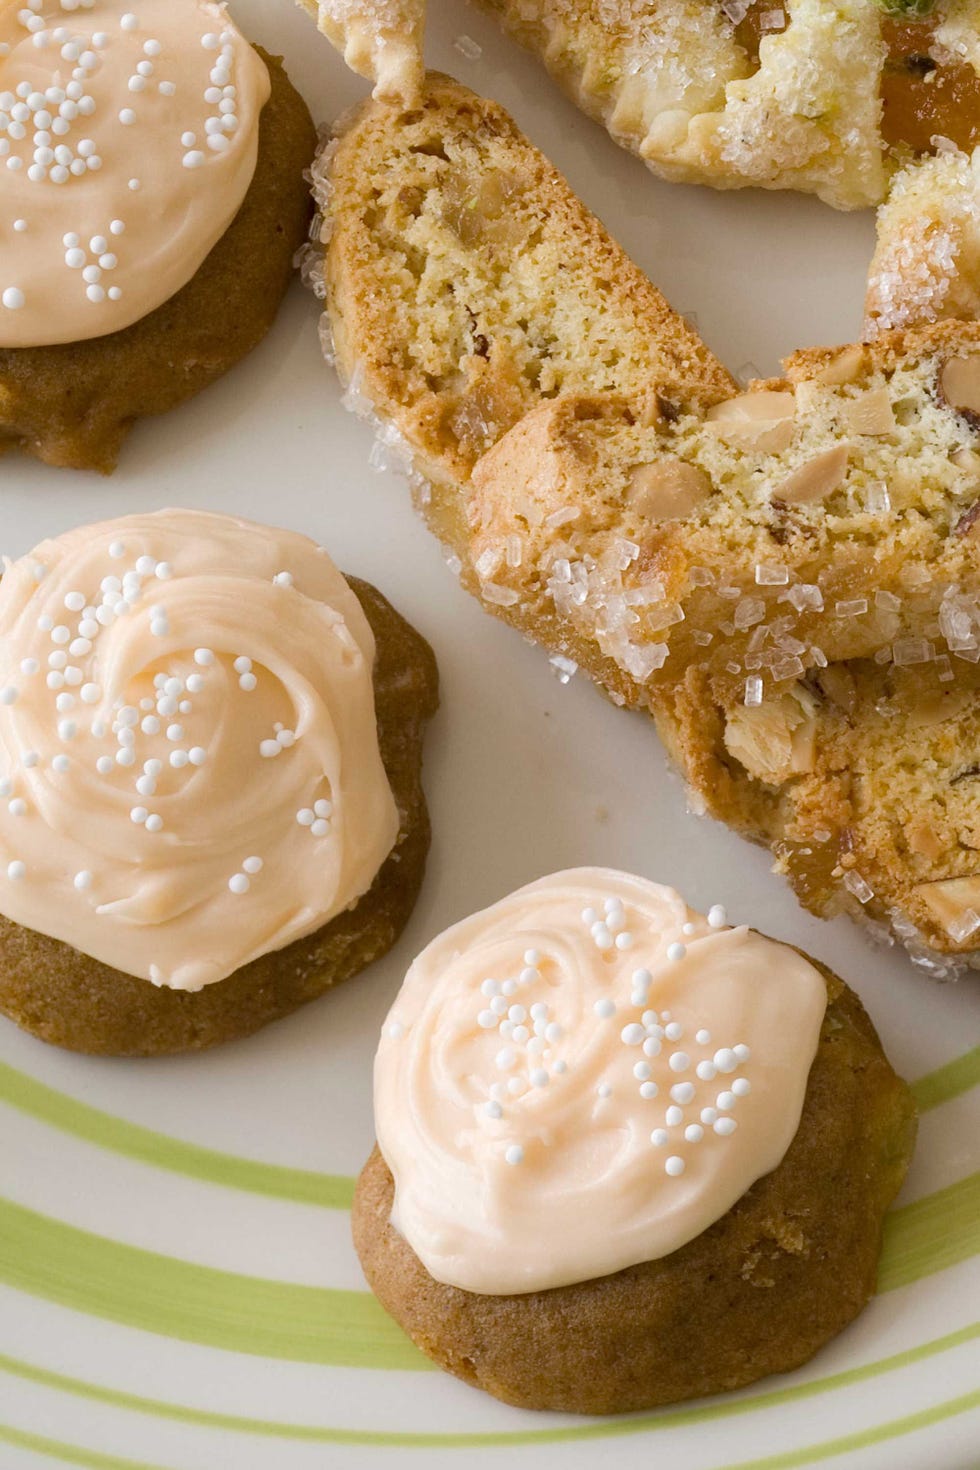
{"points": [[73, 405], [759, 1292], [71, 1000]]}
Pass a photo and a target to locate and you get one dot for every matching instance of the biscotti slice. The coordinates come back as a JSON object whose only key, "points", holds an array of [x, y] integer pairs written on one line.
{"points": [[788, 583], [378, 39], [466, 284]]}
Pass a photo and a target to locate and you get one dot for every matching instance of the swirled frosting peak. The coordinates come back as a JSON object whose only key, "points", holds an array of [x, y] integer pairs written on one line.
{"points": [[189, 766], [129, 133], [585, 1076]]}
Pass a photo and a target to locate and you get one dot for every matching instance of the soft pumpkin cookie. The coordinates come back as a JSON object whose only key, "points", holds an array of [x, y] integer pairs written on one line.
{"points": [[626, 1155], [151, 219], [210, 759]]}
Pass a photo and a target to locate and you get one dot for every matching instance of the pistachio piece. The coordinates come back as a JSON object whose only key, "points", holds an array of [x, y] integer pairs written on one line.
{"points": [[953, 902], [959, 386], [872, 413], [844, 367], [815, 479], [761, 421], [776, 739], [667, 490]]}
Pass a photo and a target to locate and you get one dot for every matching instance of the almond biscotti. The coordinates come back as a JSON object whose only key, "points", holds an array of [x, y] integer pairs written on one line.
{"points": [[466, 283], [788, 584], [783, 578]]}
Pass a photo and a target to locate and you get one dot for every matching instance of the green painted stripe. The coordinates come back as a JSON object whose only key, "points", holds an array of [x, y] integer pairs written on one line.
{"points": [[272, 1319], [877, 1434], [828, 1449], [596, 1429], [931, 1234], [947, 1082], [69, 1454], [221, 1309], [302, 1186]]}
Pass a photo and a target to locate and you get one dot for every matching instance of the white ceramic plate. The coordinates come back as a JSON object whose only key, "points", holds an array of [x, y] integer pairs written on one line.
{"points": [[177, 1286]]}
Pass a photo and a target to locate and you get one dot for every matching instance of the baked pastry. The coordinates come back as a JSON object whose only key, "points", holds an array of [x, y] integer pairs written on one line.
{"points": [[926, 265], [154, 199], [606, 1126], [788, 583], [454, 189], [210, 752], [826, 96], [378, 39], [784, 579]]}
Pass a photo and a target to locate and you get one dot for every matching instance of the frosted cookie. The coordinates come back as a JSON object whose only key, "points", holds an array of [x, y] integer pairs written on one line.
{"points": [[626, 1155], [153, 198], [210, 800]]}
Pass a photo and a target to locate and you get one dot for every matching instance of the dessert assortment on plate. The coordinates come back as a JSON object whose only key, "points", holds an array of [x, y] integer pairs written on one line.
{"points": [[152, 198], [785, 578], [210, 754], [627, 1155]]}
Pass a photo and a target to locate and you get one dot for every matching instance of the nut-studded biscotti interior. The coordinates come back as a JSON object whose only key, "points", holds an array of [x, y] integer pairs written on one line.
{"points": [[467, 283], [787, 582], [783, 578]]}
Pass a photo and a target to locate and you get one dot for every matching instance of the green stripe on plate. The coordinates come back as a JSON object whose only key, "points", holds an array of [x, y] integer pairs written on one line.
{"points": [[221, 1309], [69, 1454], [273, 1319], [931, 1234], [301, 1186], [598, 1429], [828, 1449], [947, 1082]]}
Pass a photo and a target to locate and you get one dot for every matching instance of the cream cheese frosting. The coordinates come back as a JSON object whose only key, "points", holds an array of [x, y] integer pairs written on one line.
{"points": [[190, 774], [129, 134], [585, 1076]]}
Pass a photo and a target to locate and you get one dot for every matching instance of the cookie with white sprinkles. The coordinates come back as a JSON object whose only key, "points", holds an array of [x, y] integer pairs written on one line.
{"points": [[627, 1154], [210, 798], [152, 193]]}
